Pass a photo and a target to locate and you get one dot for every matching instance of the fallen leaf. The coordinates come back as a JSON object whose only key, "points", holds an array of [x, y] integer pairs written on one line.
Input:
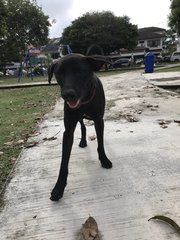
{"points": [[153, 109], [34, 134], [92, 138], [167, 220], [164, 126], [162, 122], [36, 114], [21, 141], [131, 118], [37, 119], [177, 121], [149, 106], [31, 144], [90, 229], [118, 130], [8, 143], [50, 138], [139, 111], [13, 159], [1, 153]]}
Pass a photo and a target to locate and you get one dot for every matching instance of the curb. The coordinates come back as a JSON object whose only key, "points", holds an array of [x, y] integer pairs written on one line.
{"points": [[27, 85]]}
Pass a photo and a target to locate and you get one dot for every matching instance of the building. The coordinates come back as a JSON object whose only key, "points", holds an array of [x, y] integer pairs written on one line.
{"points": [[150, 37], [52, 48]]}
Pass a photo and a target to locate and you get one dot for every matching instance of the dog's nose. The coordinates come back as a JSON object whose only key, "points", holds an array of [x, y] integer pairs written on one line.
{"points": [[69, 95]]}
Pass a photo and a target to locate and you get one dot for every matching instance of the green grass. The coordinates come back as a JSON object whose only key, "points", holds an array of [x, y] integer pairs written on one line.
{"points": [[20, 110], [14, 80], [170, 69]]}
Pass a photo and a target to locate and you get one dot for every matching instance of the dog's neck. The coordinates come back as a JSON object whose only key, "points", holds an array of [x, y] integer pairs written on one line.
{"points": [[91, 96]]}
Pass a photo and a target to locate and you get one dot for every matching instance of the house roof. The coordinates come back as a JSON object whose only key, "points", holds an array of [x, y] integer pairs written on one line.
{"points": [[52, 46], [150, 33]]}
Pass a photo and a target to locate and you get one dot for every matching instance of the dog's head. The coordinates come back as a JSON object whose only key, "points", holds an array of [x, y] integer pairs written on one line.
{"points": [[74, 73]]}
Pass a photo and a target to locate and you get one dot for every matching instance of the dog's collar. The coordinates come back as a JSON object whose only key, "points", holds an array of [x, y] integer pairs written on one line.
{"points": [[91, 97]]}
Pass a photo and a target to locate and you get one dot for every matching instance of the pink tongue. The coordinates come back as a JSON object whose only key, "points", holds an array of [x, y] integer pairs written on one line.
{"points": [[73, 104]]}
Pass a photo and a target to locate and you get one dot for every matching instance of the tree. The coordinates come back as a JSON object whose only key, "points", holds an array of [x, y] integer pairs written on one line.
{"points": [[170, 41], [101, 28], [3, 18], [174, 17], [24, 23], [3, 29]]}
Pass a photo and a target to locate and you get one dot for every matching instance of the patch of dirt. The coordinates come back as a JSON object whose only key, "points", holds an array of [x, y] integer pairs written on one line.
{"points": [[129, 94]]}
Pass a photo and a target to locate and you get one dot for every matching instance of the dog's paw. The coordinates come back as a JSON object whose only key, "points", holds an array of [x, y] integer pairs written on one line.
{"points": [[56, 195], [106, 163], [83, 144]]}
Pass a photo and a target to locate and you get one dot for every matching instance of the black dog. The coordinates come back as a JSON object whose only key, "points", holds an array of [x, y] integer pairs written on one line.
{"points": [[84, 97]]}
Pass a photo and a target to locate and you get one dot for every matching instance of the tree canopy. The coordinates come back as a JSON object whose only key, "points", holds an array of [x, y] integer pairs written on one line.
{"points": [[174, 17], [21, 22], [102, 28]]}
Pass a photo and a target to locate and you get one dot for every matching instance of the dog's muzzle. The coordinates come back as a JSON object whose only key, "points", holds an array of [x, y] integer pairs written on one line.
{"points": [[71, 98]]}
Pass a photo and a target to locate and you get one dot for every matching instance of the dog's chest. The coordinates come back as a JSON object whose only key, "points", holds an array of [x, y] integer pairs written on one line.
{"points": [[86, 116]]}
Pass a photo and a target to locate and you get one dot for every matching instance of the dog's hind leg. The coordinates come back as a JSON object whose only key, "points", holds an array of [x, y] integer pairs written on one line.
{"points": [[99, 126], [83, 142]]}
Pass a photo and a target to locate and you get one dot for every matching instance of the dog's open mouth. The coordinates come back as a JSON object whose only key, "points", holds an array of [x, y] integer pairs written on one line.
{"points": [[74, 104]]}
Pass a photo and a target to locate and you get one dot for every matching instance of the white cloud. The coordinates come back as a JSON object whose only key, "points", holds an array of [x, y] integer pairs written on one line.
{"points": [[144, 13]]}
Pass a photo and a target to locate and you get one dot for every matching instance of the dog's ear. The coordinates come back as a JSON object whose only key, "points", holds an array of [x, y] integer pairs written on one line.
{"points": [[50, 71], [97, 61]]}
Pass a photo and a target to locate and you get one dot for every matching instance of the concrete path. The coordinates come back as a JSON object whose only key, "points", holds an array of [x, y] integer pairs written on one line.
{"points": [[164, 79], [141, 138]]}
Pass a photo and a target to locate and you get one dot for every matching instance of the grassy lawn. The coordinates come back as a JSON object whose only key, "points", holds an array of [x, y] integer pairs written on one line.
{"points": [[14, 80], [170, 69], [20, 110]]}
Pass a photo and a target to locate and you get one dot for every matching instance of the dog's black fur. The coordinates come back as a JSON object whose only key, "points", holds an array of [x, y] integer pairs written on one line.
{"points": [[83, 96]]}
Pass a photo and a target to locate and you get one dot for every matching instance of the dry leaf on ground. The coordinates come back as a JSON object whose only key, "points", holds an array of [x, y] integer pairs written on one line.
{"points": [[90, 230], [31, 144], [92, 138]]}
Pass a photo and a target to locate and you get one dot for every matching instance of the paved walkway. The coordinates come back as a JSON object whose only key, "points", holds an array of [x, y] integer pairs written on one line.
{"points": [[141, 139], [164, 79]]}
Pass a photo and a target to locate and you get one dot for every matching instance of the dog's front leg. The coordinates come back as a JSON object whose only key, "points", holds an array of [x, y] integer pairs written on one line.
{"points": [[99, 126], [68, 137]]}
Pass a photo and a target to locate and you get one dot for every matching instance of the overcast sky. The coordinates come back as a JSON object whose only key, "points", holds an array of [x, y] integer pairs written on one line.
{"points": [[144, 13]]}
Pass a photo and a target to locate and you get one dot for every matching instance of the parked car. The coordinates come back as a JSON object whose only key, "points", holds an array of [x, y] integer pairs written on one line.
{"points": [[166, 58], [158, 59], [12, 66], [139, 61], [175, 57], [119, 63]]}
